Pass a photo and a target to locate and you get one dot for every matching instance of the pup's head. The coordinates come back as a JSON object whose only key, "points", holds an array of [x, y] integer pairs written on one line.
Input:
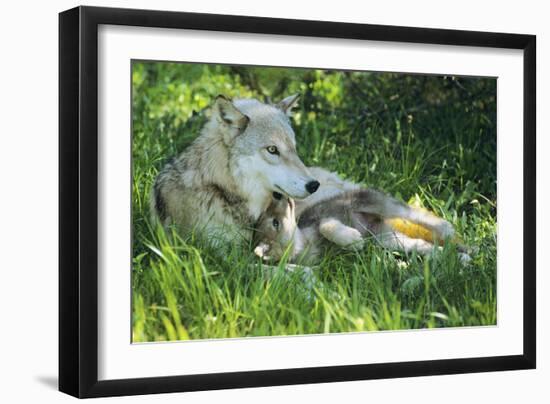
{"points": [[262, 146], [275, 229]]}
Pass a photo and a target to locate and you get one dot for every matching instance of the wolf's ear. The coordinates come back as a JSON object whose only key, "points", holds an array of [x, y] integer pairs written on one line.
{"points": [[288, 103], [227, 114]]}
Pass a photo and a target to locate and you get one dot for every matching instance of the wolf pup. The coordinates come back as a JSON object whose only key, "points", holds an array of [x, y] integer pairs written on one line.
{"points": [[224, 180], [345, 219]]}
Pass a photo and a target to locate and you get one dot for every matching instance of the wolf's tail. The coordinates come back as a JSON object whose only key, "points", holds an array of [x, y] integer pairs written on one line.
{"points": [[393, 212], [414, 230]]}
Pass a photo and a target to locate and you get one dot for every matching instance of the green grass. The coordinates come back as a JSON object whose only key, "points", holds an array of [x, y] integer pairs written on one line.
{"points": [[431, 140]]}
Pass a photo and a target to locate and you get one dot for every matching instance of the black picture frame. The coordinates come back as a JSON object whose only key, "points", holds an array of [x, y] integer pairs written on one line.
{"points": [[78, 201]]}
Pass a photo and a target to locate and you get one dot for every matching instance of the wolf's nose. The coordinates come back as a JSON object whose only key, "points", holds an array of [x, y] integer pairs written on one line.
{"points": [[312, 186]]}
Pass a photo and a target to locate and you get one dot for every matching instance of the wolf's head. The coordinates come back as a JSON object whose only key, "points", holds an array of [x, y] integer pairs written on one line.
{"points": [[276, 229], [262, 147]]}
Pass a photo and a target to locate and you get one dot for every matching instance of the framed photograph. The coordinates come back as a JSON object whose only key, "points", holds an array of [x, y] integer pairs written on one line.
{"points": [[251, 201]]}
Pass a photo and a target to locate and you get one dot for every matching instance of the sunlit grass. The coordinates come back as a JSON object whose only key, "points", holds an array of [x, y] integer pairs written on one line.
{"points": [[182, 289]]}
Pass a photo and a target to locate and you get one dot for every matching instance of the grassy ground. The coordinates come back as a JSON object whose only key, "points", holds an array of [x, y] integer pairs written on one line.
{"points": [[425, 140]]}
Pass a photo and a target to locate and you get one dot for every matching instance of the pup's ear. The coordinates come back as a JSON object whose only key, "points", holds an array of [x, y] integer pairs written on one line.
{"points": [[227, 114], [261, 250], [288, 103]]}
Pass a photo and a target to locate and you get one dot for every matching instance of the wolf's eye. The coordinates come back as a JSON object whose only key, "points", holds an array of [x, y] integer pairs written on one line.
{"points": [[276, 224], [272, 150]]}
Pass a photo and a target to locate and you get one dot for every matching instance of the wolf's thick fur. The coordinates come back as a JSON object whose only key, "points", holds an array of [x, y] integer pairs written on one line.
{"points": [[343, 218], [224, 180]]}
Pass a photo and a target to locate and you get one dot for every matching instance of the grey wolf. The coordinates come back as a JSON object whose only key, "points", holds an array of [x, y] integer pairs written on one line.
{"points": [[346, 218], [220, 185]]}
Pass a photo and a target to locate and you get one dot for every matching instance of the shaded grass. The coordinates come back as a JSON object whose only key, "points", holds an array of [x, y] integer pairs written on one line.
{"points": [[443, 159]]}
